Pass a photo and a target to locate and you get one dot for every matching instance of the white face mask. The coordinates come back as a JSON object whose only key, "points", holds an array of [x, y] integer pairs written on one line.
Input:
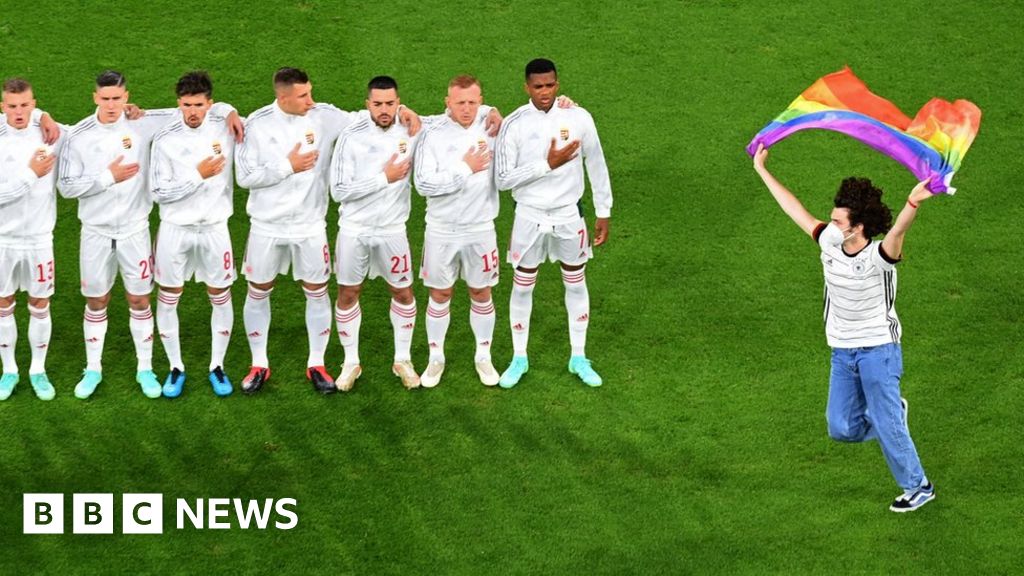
{"points": [[833, 236]]}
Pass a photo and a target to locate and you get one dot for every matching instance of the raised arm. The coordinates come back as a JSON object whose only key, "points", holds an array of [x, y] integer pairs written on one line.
{"points": [[790, 205], [893, 241]]}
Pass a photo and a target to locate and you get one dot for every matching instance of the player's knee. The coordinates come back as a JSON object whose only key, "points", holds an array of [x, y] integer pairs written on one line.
{"points": [[172, 289], [441, 295], [7, 301], [403, 296], [216, 291], [348, 296], [37, 303], [98, 302], [138, 301], [265, 286], [480, 294]]}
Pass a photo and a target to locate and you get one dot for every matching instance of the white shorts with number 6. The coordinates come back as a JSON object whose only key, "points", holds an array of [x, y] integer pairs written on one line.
{"points": [[203, 252], [532, 243], [26, 269], [359, 257], [100, 257], [308, 258], [472, 257]]}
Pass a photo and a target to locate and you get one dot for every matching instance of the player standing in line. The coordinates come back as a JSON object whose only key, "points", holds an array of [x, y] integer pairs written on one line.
{"points": [[453, 173], [27, 216], [283, 163], [863, 330], [191, 179], [537, 157], [104, 164], [370, 181]]}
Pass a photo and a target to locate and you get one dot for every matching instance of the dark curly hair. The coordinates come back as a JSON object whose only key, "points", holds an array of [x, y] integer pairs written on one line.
{"points": [[864, 201]]}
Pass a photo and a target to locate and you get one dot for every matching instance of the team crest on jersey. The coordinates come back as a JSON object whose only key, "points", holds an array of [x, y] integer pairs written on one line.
{"points": [[217, 148], [564, 133], [126, 142], [481, 144], [310, 137], [403, 146], [858, 267]]}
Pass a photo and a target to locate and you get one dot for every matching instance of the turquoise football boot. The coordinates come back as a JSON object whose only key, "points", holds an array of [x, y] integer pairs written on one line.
{"points": [[41, 384], [514, 373], [150, 385], [580, 366], [7, 383], [87, 385]]}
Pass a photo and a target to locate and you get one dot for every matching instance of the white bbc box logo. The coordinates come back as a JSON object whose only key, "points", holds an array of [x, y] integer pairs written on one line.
{"points": [[142, 514], [43, 513], [92, 514]]}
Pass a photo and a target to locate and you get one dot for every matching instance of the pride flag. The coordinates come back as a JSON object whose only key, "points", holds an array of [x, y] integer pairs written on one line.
{"points": [[932, 145]]}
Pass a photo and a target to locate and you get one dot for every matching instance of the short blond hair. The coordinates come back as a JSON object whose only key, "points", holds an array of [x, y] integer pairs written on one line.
{"points": [[463, 81]]}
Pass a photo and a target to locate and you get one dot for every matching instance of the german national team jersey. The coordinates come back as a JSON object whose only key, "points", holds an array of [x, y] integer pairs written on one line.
{"points": [[860, 292]]}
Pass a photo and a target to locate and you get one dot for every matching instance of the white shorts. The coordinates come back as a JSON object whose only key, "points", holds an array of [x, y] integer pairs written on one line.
{"points": [[202, 252], [359, 257], [26, 270], [532, 243], [100, 258], [472, 257], [266, 257]]}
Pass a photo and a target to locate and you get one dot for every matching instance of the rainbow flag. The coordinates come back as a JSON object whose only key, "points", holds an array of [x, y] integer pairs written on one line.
{"points": [[932, 145]]}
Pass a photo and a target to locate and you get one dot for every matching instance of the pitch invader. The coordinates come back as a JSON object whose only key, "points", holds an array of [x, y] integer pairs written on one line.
{"points": [[104, 164], [27, 216], [191, 180], [453, 173], [283, 162], [370, 181], [538, 157]]}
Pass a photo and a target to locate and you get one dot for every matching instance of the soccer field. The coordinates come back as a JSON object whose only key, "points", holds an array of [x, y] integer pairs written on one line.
{"points": [[705, 451]]}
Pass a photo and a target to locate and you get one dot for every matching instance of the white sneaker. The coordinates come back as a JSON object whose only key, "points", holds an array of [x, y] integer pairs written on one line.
{"points": [[406, 371], [488, 375], [432, 375], [347, 379]]}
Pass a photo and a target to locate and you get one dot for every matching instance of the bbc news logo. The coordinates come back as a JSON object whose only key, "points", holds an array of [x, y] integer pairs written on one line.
{"points": [[144, 513]]}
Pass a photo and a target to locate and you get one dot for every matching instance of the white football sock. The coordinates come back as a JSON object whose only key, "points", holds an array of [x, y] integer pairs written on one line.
{"points": [[577, 305], [348, 331], [403, 322], [8, 339], [438, 319], [222, 320], [318, 324], [481, 320], [256, 316], [140, 323], [520, 308], [40, 326], [94, 326], [167, 325]]}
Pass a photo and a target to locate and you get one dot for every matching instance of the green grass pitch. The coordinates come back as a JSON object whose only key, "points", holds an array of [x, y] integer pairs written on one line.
{"points": [[706, 450]]}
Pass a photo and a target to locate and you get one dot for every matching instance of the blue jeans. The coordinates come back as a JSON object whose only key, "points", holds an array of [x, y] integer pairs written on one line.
{"points": [[864, 404]]}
